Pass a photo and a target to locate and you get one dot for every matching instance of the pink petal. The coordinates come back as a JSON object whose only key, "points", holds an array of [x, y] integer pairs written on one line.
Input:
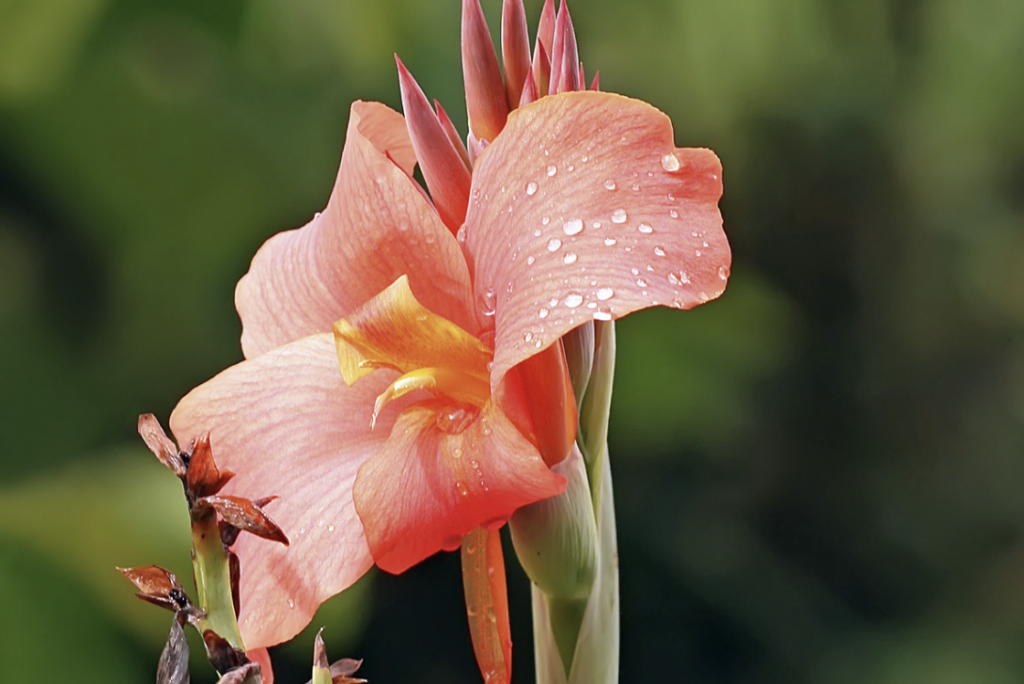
{"points": [[288, 425], [261, 656], [591, 212], [427, 488], [377, 226], [515, 49], [485, 93], [445, 172]]}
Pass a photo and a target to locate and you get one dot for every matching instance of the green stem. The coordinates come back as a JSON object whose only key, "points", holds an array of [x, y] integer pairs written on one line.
{"points": [[213, 581]]}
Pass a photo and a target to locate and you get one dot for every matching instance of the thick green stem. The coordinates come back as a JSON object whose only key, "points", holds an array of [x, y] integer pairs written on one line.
{"points": [[213, 581]]}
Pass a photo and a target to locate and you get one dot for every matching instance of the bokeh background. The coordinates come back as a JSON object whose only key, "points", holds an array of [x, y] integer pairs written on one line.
{"points": [[820, 477]]}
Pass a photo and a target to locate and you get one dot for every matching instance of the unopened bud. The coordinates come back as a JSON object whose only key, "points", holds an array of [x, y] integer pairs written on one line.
{"points": [[556, 539]]}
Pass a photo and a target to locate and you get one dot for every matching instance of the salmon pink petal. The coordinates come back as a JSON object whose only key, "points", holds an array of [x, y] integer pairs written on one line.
{"points": [[287, 424], [515, 49], [445, 172], [486, 103], [430, 484], [377, 226], [592, 212]]}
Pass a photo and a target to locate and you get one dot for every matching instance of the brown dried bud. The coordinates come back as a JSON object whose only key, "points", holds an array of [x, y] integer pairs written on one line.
{"points": [[340, 670], [243, 514], [246, 674], [158, 586], [173, 665], [204, 477], [160, 444], [222, 655]]}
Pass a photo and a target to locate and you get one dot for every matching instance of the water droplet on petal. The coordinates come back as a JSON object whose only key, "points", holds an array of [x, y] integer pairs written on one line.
{"points": [[605, 293], [696, 252], [573, 300], [602, 315], [530, 260], [569, 257], [545, 221], [528, 336], [531, 188], [461, 235], [723, 272], [619, 216], [640, 282], [673, 213], [610, 184], [330, 527], [554, 244], [543, 313], [636, 186], [553, 301], [635, 270], [703, 296], [670, 162], [645, 228], [552, 170], [610, 241], [486, 302], [291, 603], [572, 226], [461, 488], [490, 614], [659, 251]]}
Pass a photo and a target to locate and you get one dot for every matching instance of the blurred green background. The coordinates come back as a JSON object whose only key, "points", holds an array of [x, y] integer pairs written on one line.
{"points": [[820, 477]]}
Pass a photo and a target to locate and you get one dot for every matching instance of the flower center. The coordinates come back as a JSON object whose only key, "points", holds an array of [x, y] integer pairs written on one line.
{"points": [[393, 330]]}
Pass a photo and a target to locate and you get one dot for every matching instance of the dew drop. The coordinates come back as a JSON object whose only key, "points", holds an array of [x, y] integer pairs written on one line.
{"points": [[570, 167], [610, 184], [696, 252], [645, 228], [554, 244], [528, 336], [530, 260], [640, 282], [673, 213], [673, 278], [543, 313], [531, 188], [457, 452], [605, 293], [610, 241], [703, 296], [723, 272], [461, 235], [573, 299], [291, 603], [552, 170], [635, 270], [636, 186], [602, 315], [659, 251], [584, 159], [596, 224], [670, 162], [619, 216], [569, 257], [486, 302], [553, 301], [684, 278], [330, 527], [461, 488], [545, 221], [431, 238], [572, 226]]}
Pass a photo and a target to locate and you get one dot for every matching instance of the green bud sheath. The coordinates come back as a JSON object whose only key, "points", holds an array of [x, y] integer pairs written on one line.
{"points": [[556, 539]]}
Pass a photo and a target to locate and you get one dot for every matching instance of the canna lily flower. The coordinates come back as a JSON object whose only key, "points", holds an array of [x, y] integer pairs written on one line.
{"points": [[404, 382]]}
